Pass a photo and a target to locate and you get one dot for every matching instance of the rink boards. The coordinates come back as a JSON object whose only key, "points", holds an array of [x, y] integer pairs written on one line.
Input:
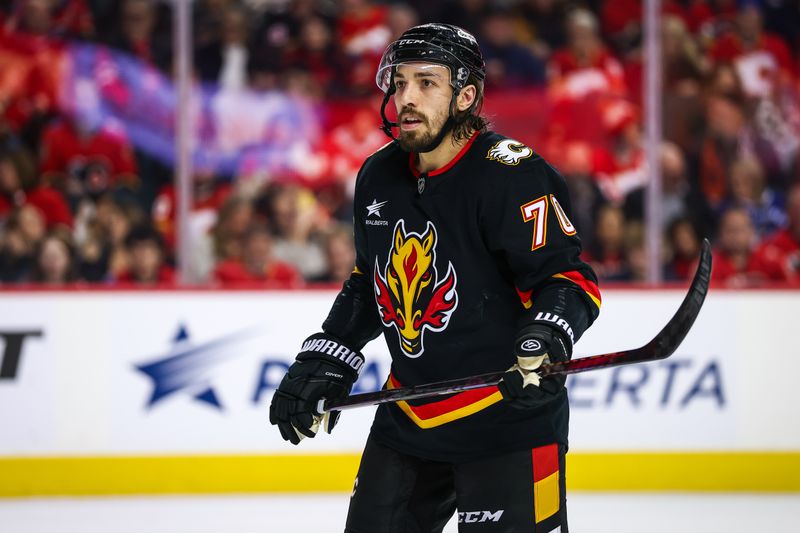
{"points": [[106, 392]]}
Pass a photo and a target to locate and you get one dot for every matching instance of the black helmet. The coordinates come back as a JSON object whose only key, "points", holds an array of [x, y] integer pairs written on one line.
{"points": [[443, 44]]}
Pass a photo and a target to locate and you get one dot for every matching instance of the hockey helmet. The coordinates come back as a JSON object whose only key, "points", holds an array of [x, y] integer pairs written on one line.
{"points": [[443, 44]]}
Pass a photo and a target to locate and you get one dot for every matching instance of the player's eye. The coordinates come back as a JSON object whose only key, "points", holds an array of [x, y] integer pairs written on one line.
{"points": [[399, 84], [427, 83]]}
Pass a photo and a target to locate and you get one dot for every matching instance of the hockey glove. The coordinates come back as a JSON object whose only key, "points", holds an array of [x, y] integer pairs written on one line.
{"points": [[536, 344], [324, 369]]}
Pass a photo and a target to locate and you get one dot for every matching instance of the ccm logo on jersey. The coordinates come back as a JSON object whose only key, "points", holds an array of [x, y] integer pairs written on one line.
{"points": [[558, 321], [473, 517], [509, 152]]}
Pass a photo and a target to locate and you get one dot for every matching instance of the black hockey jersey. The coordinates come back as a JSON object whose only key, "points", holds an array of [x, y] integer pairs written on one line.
{"points": [[450, 264]]}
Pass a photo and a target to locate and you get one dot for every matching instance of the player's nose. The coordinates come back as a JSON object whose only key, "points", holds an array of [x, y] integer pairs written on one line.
{"points": [[408, 97]]}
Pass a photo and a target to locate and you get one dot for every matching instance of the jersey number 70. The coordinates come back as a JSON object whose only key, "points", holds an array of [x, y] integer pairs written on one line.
{"points": [[536, 212]]}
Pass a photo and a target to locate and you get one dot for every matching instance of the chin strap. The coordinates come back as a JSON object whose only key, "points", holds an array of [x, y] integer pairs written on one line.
{"points": [[388, 124]]}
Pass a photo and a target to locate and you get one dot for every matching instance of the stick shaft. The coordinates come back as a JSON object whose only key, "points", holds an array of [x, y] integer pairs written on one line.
{"points": [[660, 347]]}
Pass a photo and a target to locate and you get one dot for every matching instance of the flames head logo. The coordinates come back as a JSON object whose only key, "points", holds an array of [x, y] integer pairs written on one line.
{"points": [[409, 293], [509, 152]]}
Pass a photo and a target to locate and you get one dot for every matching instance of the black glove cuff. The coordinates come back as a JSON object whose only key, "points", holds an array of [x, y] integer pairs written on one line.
{"points": [[539, 338], [321, 346]]}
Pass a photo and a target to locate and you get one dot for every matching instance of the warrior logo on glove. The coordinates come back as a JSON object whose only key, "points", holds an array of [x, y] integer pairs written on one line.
{"points": [[409, 293], [530, 345]]}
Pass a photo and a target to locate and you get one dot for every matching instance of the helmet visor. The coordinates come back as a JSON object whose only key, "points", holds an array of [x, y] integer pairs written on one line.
{"points": [[420, 53]]}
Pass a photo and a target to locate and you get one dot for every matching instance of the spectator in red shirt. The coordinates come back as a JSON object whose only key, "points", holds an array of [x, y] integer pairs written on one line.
{"points": [[778, 258], [348, 145], [91, 155], [31, 61], [318, 54], [620, 168], [585, 66], [18, 187], [760, 58], [62, 18], [208, 195], [364, 33], [146, 258], [734, 251], [257, 263]]}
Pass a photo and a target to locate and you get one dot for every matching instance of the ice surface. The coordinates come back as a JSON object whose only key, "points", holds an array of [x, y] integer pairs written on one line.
{"points": [[589, 513]]}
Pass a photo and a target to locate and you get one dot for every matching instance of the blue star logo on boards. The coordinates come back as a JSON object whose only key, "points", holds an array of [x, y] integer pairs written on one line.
{"points": [[187, 368]]}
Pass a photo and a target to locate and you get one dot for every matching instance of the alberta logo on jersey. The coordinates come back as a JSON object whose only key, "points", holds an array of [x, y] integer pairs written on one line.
{"points": [[409, 293], [509, 152]]}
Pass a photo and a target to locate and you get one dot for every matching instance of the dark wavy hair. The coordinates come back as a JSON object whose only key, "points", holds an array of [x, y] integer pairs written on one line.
{"points": [[471, 120]]}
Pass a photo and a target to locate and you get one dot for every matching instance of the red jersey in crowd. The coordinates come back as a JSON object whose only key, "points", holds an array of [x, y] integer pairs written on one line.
{"points": [[602, 74], [364, 35], [166, 274], [166, 205], [621, 15], [364, 32], [778, 258], [30, 77], [233, 271], [47, 200], [726, 270], [758, 66], [65, 149]]}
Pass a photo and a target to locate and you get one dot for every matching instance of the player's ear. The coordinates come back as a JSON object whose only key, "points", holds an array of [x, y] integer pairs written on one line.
{"points": [[466, 97]]}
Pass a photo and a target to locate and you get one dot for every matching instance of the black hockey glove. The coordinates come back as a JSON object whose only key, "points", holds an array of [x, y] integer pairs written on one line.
{"points": [[521, 386], [324, 369]]}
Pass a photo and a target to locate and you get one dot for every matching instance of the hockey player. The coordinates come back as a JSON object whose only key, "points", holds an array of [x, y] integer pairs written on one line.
{"points": [[467, 262]]}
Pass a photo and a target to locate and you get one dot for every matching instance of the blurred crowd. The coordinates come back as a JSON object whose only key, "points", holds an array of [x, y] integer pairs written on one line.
{"points": [[80, 202]]}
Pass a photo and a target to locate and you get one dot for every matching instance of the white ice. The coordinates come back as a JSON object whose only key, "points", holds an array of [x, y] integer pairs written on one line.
{"points": [[589, 513]]}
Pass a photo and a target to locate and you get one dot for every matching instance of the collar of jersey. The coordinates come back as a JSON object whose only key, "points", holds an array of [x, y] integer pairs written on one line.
{"points": [[448, 166]]}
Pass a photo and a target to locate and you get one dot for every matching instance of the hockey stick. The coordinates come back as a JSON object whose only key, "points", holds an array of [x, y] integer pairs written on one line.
{"points": [[660, 347]]}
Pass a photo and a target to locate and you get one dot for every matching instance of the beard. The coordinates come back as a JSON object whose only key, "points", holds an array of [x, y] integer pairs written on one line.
{"points": [[416, 140]]}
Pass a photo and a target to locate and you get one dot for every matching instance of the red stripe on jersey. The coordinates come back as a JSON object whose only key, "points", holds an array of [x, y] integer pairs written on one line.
{"points": [[588, 286], [545, 461], [525, 298], [412, 157], [453, 403]]}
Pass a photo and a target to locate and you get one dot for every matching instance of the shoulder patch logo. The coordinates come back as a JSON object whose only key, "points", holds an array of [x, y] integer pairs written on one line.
{"points": [[374, 209], [411, 295], [509, 152]]}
